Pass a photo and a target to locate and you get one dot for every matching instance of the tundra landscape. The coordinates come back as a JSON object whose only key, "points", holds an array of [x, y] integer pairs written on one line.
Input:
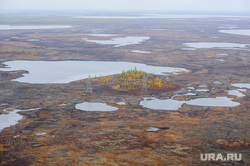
{"points": [[129, 89]]}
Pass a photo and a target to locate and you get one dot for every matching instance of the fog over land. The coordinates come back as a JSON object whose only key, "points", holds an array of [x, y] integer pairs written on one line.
{"points": [[163, 5]]}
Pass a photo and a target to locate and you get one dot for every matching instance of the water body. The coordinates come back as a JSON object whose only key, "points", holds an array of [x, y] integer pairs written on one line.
{"points": [[87, 106], [245, 32], [120, 41], [158, 104], [42, 72], [236, 93], [41, 133], [27, 27], [228, 27], [152, 129], [215, 45], [7, 120], [170, 104], [153, 16], [202, 90], [213, 102], [12, 117], [202, 86], [121, 103], [140, 52], [241, 85]]}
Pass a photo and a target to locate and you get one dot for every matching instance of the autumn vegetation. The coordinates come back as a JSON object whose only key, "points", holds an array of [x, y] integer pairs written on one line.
{"points": [[26, 52], [8, 143], [132, 80]]}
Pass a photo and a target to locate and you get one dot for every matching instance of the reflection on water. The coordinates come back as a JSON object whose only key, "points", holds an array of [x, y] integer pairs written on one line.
{"points": [[170, 104], [66, 71], [87, 106]]}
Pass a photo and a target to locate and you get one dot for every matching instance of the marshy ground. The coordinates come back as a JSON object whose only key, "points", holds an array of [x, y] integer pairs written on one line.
{"points": [[54, 132]]}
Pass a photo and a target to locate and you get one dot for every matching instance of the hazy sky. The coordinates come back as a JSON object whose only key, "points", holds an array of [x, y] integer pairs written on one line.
{"points": [[183, 5]]}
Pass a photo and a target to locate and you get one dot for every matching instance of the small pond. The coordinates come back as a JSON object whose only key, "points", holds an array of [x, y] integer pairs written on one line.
{"points": [[10, 118], [237, 93], [242, 85], [88, 106], [170, 104], [140, 52]]}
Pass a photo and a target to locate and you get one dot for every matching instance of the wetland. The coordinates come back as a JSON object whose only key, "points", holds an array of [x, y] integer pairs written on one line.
{"points": [[188, 95]]}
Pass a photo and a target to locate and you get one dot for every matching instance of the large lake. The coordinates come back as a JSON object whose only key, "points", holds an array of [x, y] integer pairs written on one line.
{"points": [[67, 71], [215, 45], [26, 27], [237, 32]]}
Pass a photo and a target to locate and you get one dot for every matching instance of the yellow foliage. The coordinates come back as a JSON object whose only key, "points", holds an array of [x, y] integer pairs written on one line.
{"points": [[1, 148]]}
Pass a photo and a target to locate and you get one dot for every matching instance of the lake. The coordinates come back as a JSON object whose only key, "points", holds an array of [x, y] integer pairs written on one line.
{"points": [[120, 41], [242, 85], [9, 119], [245, 32], [170, 104], [42, 72], [215, 45]]}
